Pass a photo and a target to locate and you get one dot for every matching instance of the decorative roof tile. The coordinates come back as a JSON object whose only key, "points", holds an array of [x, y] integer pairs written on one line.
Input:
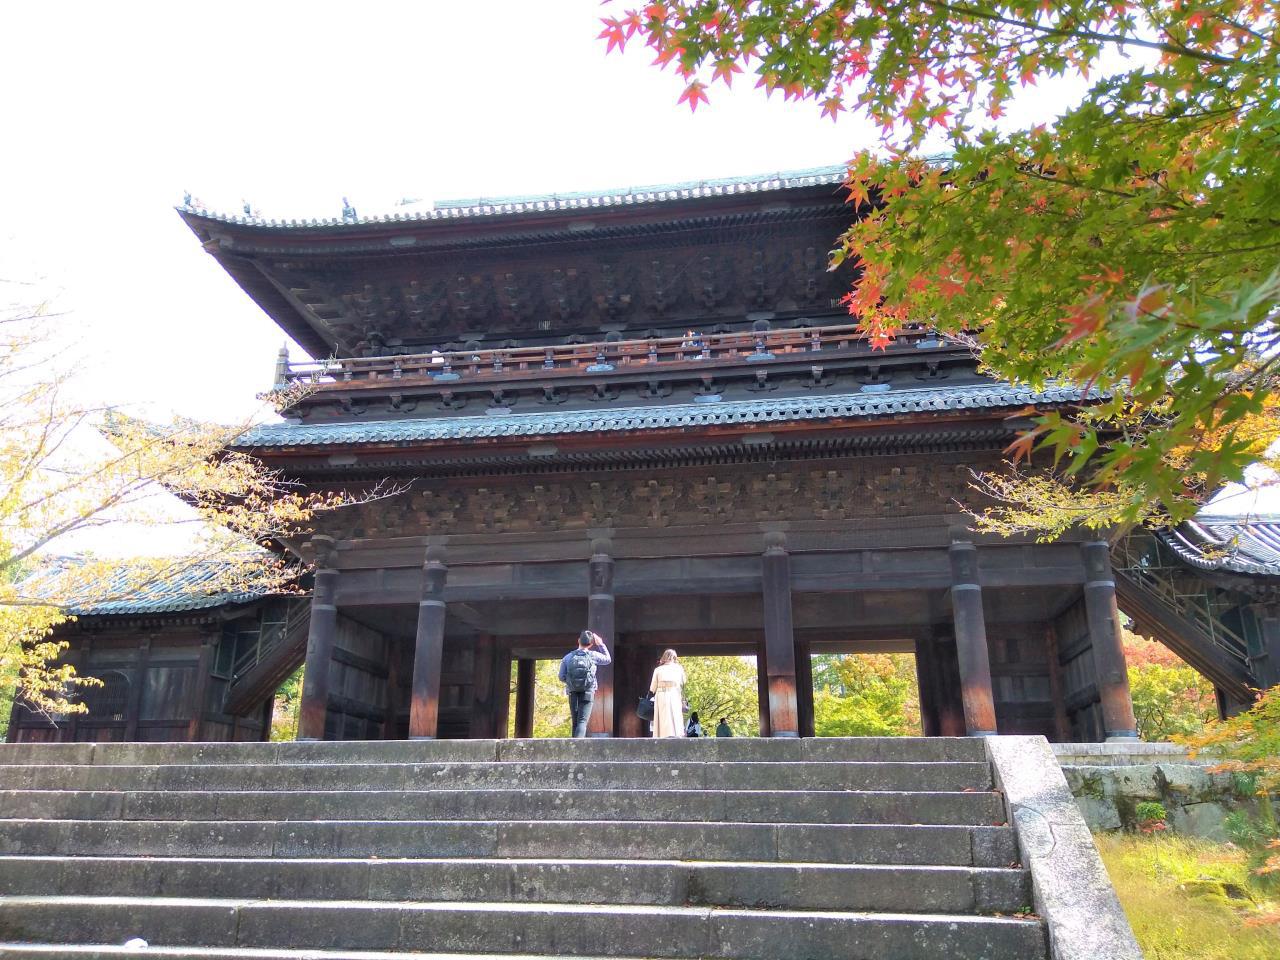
{"points": [[191, 588], [983, 396]]}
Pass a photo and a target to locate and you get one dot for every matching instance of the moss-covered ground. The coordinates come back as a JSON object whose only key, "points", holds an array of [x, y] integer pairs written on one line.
{"points": [[1192, 899]]}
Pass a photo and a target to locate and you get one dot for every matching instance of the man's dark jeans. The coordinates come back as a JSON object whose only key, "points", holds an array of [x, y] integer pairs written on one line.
{"points": [[580, 710]]}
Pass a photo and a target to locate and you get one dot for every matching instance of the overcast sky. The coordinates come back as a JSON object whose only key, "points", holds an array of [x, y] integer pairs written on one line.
{"points": [[114, 110]]}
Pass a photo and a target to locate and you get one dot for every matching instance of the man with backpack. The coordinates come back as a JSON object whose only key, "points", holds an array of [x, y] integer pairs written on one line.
{"points": [[578, 674]]}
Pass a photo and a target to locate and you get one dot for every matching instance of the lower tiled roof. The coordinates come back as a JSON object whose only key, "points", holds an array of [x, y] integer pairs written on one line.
{"points": [[182, 587], [939, 399], [1230, 544]]}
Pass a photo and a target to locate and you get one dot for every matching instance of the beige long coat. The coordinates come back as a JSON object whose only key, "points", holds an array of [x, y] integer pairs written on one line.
{"points": [[667, 687]]}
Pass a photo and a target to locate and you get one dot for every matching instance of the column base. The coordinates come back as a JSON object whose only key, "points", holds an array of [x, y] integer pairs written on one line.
{"points": [[307, 740], [982, 733], [790, 734], [422, 738], [599, 736], [1122, 736]]}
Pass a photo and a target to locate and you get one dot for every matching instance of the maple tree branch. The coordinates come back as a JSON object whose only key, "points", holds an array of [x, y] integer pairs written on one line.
{"points": [[1173, 48]]}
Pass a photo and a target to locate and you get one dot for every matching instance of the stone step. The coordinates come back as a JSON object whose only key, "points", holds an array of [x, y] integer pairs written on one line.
{"points": [[844, 887], [566, 929], [764, 750], [979, 846], [65, 951], [712, 774], [751, 806]]}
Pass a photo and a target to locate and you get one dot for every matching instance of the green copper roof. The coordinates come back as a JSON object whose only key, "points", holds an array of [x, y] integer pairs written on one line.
{"points": [[981, 396]]}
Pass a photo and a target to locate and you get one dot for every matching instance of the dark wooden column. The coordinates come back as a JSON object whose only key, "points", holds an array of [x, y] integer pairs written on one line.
{"points": [[268, 708], [395, 664], [1057, 689], [501, 690], [322, 635], [762, 687], [1265, 664], [79, 658], [927, 685], [525, 672], [134, 709], [804, 688], [779, 639], [428, 650], [483, 707], [971, 642], [200, 693], [947, 687], [635, 670], [600, 620], [1118, 722]]}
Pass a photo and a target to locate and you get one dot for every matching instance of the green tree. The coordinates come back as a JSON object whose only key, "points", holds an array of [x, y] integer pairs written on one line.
{"points": [[1169, 697], [724, 687], [865, 695], [1130, 246], [284, 711]]}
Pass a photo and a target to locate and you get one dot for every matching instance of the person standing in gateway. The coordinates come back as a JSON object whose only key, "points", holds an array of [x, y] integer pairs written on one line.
{"points": [[578, 674]]}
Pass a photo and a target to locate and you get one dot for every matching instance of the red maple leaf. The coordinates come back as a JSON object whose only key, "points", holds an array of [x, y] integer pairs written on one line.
{"points": [[613, 32], [831, 107], [694, 94], [725, 69]]}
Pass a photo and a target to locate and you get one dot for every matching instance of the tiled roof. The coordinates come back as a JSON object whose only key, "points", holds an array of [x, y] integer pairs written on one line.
{"points": [[1229, 544], [555, 202], [190, 588], [981, 396]]}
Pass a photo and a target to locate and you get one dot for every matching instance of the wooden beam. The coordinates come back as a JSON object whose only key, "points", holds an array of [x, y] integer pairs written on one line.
{"points": [[925, 684], [483, 707], [200, 693], [804, 688], [762, 687], [1057, 690], [134, 708], [428, 651]]}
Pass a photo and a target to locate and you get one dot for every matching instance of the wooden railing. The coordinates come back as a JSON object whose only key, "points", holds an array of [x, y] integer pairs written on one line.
{"points": [[596, 358]]}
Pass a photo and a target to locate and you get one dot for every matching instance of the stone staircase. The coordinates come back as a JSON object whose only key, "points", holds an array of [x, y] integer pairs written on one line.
{"points": [[734, 848]]}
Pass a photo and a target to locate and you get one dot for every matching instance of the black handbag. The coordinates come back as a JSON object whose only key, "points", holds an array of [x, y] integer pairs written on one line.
{"points": [[644, 709]]}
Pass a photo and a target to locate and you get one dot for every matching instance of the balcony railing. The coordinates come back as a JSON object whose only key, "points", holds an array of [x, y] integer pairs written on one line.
{"points": [[650, 355]]}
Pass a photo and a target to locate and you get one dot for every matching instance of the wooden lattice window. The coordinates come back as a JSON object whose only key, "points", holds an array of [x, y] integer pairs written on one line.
{"points": [[109, 701]]}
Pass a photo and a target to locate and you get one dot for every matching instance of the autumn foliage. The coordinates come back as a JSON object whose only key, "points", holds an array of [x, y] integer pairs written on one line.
{"points": [[1130, 245]]}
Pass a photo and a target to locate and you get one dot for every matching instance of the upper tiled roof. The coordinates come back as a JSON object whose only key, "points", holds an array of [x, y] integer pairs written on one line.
{"points": [[556, 202], [1229, 544], [981, 396]]}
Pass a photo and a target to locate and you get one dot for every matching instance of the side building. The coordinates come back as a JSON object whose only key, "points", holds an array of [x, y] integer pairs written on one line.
{"points": [[646, 412]]}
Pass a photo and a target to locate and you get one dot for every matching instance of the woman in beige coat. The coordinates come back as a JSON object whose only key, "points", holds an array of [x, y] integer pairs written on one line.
{"points": [[667, 687]]}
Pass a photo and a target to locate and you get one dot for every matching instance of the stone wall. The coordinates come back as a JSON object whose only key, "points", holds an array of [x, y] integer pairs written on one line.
{"points": [[1109, 780]]}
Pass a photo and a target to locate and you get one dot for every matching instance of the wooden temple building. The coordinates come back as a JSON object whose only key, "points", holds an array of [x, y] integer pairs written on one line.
{"points": [[645, 412]]}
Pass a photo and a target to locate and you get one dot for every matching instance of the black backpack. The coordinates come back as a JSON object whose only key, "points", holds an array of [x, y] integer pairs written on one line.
{"points": [[582, 670]]}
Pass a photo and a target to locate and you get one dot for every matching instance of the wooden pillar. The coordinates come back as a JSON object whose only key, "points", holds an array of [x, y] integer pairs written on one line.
{"points": [[501, 689], [779, 639], [200, 693], [482, 702], [804, 688], [134, 709], [631, 681], [971, 642], [1118, 722], [1265, 664], [428, 650], [600, 620], [80, 658], [525, 692], [925, 683], [1057, 689], [395, 665], [268, 708], [322, 635], [762, 687], [947, 686]]}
